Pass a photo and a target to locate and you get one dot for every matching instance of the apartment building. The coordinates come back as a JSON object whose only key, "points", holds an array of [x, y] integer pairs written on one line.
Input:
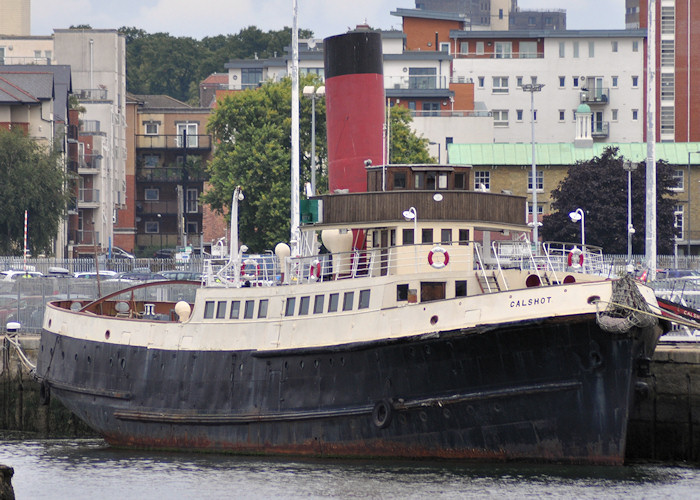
{"points": [[170, 149]]}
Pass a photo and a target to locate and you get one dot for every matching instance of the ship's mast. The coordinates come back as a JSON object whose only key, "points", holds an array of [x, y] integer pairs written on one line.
{"points": [[650, 240], [294, 236]]}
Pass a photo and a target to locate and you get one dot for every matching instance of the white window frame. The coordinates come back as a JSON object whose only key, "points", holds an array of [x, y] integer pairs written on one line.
{"points": [[192, 137], [500, 85], [192, 199], [679, 221], [562, 115], [519, 115], [614, 80], [503, 50], [635, 81], [679, 177], [635, 115], [482, 177], [150, 128], [539, 181], [480, 48], [500, 117], [562, 82]]}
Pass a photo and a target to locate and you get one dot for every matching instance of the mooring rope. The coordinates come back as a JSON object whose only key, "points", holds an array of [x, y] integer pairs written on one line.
{"points": [[12, 339]]}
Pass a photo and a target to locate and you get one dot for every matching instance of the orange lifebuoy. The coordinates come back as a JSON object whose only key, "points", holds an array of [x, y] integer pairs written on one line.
{"points": [[571, 261], [436, 264]]}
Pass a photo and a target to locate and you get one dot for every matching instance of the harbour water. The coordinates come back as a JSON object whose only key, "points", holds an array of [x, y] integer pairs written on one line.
{"points": [[89, 469]]}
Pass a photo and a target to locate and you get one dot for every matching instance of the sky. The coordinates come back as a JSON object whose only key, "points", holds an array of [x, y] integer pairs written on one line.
{"points": [[324, 17]]}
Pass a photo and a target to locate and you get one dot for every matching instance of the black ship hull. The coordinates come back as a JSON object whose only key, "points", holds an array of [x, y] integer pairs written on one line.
{"points": [[549, 390]]}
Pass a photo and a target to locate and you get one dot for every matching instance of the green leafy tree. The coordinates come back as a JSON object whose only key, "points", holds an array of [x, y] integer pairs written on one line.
{"points": [[152, 68], [599, 187], [33, 180], [253, 130], [406, 147]]}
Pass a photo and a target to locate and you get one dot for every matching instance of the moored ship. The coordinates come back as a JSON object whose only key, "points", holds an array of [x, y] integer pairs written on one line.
{"points": [[414, 335]]}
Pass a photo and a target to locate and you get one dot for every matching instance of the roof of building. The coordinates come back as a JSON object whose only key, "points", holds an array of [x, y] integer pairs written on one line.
{"points": [[429, 14], [501, 154], [159, 101], [60, 86], [24, 87], [216, 78]]}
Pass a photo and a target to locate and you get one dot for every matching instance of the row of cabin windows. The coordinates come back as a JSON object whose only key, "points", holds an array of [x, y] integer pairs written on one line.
{"points": [[427, 236], [218, 309], [430, 180], [429, 291]]}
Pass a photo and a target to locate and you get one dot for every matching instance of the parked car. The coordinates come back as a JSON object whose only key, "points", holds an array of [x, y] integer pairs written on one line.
{"points": [[120, 253], [164, 253], [105, 273], [138, 276], [181, 275], [13, 275]]}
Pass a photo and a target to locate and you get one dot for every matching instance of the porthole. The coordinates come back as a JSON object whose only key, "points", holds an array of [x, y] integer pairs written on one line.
{"points": [[122, 362], [315, 363], [433, 320], [107, 334], [89, 360], [49, 323], [423, 416], [593, 299]]}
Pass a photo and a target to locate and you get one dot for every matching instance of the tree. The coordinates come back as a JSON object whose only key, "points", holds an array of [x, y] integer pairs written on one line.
{"points": [[599, 187], [406, 147], [253, 129], [33, 180]]}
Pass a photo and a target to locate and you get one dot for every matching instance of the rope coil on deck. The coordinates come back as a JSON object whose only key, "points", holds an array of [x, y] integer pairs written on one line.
{"points": [[627, 309]]}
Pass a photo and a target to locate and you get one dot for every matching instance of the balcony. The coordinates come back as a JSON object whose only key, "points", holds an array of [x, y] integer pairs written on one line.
{"points": [[595, 96], [89, 164], [421, 82], [168, 174], [92, 94], [507, 55], [84, 237], [88, 198], [41, 61], [89, 126], [173, 141], [600, 130]]}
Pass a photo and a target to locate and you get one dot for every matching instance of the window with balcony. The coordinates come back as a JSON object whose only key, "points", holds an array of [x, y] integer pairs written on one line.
{"points": [[422, 78], [668, 20], [151, 161], [192, 205], [251, 77], [503, 50], [190, 131], [668, 53], [528, 50], [479, 48], [668, 86]]}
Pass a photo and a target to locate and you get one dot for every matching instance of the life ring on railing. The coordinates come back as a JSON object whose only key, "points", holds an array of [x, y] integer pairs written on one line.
{"points": [[575, 255], [315, 270], [250, 262], [436, 263]]}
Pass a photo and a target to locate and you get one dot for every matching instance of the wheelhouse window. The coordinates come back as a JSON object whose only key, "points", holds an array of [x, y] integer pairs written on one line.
{"points": [[463, 236], [427, 235], [446, 236], [402, 292], [408, 236], [209, 306], [460, 288], [399, 180]]}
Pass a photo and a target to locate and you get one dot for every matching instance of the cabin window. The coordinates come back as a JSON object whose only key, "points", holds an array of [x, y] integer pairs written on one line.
{"points": [[318, 304], [399, 180], [418, 180], [402, 292], [430, 291], [209, 309], [460, 181], [249, 308], [463, 236], [430, 180], [408, 236], [348, 299], [460, 288], [262, 309], [289, 308], [304, 306], [235, 309], [221, 309], [333, 303], [364, 299], [446, 236], [427, 235], [442, 181]]}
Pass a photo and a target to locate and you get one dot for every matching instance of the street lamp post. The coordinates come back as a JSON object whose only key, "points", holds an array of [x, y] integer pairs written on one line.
{"points": [[629, 167], [532, 88], [312, 92], [579, 215]]}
